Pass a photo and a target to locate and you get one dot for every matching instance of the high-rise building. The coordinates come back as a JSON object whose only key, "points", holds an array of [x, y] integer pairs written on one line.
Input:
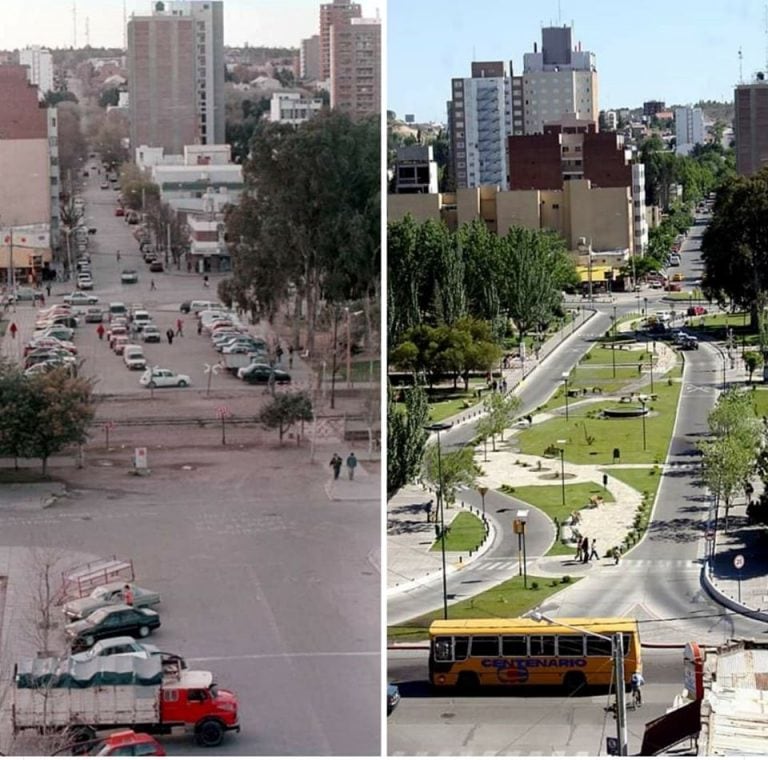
{"points": [[689, 129], [479, 121], [356, 67], [176, 75], [337, 13], [652, 107], [40, 67], [751, 126], [556, 81], [309, 64]]}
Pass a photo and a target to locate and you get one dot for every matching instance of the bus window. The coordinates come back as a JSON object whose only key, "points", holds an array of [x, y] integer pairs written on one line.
{"points": [[599, 647], [443, 649], [541, 645], [461, 648], [626, 643], [485, 646], [570, 646], [514, 646]]}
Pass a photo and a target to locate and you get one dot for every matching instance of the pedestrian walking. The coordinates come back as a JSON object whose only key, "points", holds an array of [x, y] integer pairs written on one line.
{"points": [[279, 353], [578, 556], [616, 555], [594, 554], [290, 356], [428, 509], [179, 328], [585, 550], [351, 464], [152, 285], [100, 331], [13, 330], [117, 255], [169, 335], [128, 594], [42, 300], [199, 328], [336, 465], [205, 281], [48, 289]]}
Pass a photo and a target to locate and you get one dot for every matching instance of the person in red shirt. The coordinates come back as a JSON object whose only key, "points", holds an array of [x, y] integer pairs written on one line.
{"points": [[100, 331], [128, 594]]}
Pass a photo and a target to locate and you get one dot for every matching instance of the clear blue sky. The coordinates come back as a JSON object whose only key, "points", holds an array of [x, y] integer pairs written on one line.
{"points": [[678, 51], [259, 22]]}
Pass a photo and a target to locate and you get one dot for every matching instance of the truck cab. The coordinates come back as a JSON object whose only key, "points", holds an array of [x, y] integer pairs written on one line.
{"points": [[194, 701]]}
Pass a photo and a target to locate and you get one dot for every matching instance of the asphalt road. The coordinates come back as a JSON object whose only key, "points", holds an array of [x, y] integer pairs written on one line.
{"points": [[264, 580], [444, 724]]}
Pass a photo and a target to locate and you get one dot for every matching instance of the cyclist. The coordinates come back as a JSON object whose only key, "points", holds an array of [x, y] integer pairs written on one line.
{"points": [[637, 681]]}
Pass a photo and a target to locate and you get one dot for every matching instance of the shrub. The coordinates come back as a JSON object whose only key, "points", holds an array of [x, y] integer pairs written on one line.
{"points": [[553, 583], [534, 585], [565, 579]]}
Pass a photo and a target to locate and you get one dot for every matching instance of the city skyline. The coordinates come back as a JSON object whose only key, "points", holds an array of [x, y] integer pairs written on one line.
{"points": [[692, 53], [269, 23]]}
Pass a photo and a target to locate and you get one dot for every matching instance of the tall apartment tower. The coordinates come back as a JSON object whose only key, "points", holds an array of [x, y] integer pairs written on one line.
{"points": [[356, 67], [751, 126], [40, 67], [336, 13], [689, 129], [479, 122], [558, 80], [176, 75], [309, 62]]}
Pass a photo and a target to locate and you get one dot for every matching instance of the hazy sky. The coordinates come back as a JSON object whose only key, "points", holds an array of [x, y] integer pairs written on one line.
{"points": [[678, 51], [51, 23]]}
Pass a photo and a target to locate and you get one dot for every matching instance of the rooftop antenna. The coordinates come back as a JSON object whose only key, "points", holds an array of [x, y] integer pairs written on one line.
{"points": [[74, 23], [125, 21], [765, 7], [87, 32], [559, 14], [741, 68]]}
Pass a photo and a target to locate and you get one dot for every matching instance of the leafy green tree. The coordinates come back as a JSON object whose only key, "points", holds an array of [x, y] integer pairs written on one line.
{"points": [[285, 410], [500, 409], [735, 248], [406, 437], [136, 188], [726, 467], [458, 471], [108, 141], [752, 360]]}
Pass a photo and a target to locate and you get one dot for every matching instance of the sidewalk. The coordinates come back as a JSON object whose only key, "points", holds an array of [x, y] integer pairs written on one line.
{"points": [[409, 536]]}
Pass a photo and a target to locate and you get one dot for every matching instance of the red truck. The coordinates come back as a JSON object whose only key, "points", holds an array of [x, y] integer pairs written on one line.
{"points": [[84, 697]]}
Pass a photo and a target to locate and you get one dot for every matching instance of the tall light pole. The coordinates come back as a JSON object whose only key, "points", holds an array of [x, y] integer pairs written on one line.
{"points": [[519, 528], [652, 355], [482, 490], [565, 380], [441, 427], [613, 342], [617, 655], [642, 401], [561, 443]]}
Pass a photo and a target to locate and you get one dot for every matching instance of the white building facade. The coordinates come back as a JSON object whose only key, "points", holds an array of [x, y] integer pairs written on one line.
{"points": [[689, 129], [293, 108], [640, 219], [40, 67]]}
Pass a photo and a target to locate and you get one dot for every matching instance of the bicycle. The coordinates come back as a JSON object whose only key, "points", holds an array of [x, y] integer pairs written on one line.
{"points": [[637, 696]]}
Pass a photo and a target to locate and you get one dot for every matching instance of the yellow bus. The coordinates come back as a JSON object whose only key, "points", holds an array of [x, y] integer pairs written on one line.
{"points": [[520, 652]]}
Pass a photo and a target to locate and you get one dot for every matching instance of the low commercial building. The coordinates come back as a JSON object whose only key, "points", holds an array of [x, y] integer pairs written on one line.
{"points": [[293, 108]]}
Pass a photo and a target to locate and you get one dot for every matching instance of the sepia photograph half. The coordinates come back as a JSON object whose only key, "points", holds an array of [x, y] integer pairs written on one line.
{"points": [[190, 305]]}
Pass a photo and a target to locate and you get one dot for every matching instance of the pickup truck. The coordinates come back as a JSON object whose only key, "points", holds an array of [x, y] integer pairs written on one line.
{"points": [[85, 697], [234, 362]]}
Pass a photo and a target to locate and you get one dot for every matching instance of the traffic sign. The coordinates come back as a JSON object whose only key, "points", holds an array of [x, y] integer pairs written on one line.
{"points": [[738, 561]]}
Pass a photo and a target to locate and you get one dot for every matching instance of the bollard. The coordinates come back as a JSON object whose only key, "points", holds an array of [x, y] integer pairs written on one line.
{"points": [[461, 559]]}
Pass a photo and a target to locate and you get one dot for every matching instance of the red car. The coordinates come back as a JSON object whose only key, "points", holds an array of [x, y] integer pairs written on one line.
{"points": [[119, 211], [696, 311], [128, 743]]}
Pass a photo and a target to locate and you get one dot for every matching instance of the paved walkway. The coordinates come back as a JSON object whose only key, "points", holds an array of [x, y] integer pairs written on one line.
{"points": [[410, 537]]}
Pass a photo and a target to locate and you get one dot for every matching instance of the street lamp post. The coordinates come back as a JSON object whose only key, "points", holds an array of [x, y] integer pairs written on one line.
{"points": [[645, 307], [642, 401], [652, 355], [519, 526], [441, 427], [613, 342], [565, 380], [561, 442], [617, 655], [482, 490]]}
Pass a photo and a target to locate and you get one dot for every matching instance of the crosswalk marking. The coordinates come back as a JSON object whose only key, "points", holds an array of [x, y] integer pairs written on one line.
{"points": [[454, 752], [491, 564]]}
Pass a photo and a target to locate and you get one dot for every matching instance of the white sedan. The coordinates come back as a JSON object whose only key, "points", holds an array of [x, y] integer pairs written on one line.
{"points": [[78, 298], [163, 378]]}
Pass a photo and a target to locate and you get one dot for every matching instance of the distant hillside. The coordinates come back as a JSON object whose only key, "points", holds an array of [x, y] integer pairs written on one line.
{"points": [[716, 110]]}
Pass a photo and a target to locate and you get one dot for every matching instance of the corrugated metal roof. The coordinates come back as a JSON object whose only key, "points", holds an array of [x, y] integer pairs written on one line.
{"points": [[738, 723], [743, 668]]}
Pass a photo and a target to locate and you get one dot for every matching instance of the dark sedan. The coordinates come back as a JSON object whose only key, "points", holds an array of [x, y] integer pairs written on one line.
{"points": [[260, 373], [114, 620]]}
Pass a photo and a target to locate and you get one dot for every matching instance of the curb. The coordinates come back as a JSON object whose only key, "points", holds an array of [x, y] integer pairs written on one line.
{"points": [[727, 601]]}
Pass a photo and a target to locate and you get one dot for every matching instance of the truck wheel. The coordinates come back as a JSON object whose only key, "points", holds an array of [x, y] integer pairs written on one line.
{"points": [[209, 733], [89, 641], [182, 383], [143, 632]]}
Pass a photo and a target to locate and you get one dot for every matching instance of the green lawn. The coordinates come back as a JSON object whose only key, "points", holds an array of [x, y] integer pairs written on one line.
{"points": [[642, 480], [599, 355], [466, 533], [549, 499], [685, 295], [360, 371], [588, 375], [443, 409], [735, 319], [590, 439], [507, 600]]}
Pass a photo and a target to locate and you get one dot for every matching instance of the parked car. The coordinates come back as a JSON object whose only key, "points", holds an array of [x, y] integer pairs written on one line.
{"points": [[129, 276], [84, 281], [117, 309], [114, 620], [128, 742], [393, 697], [104, 185], [94, 314], [123, 646], [163, 378], [43, 368], [55, 355], [151, 333], [25, 294], [37, 343], [238, 346], [260, 373], [156, 266], [140, 317], [66, 320], [109, 593], [133, 356], [56, 331], [689, 343], [116, 330], [677, 277], [695, 311], [119, 343], [78, 298], [119, 211]]}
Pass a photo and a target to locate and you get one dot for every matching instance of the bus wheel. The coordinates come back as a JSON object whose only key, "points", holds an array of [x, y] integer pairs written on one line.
{"points": [[469, 683], [574, 681]]}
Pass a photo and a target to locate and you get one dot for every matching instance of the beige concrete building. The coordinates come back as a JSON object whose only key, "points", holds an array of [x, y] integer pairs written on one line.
{"points": [[356, 67], [751, 126], [336, 13], [602, 215]]}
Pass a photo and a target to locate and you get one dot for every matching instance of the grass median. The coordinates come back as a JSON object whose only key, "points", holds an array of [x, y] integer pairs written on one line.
{"points": [[466, 532], [507, 600], [591, 439]]}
